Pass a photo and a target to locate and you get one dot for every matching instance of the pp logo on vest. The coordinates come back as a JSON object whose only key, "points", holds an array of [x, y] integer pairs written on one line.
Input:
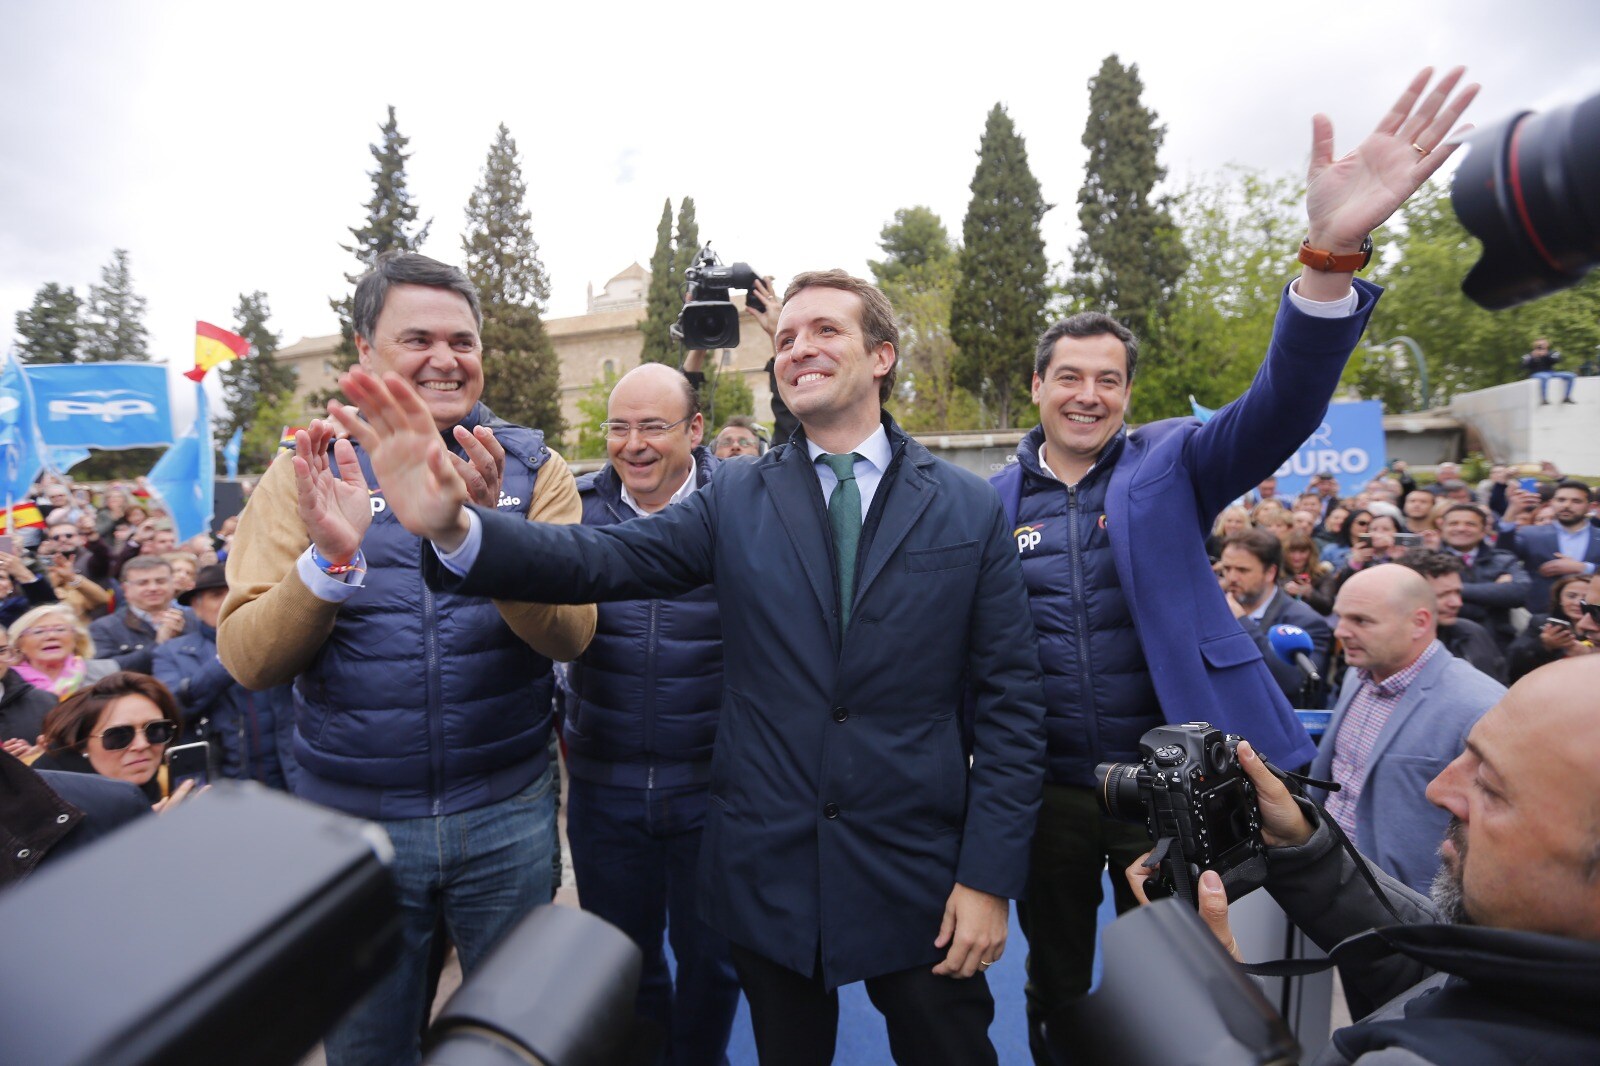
{"points": [[1028, 537], [509, 501], [379, 504]]}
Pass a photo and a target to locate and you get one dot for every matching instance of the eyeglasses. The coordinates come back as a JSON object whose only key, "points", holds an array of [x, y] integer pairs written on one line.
{"points": [[647, 430], [156, 733], [1592, 610], [74, 535], [46, 631]]}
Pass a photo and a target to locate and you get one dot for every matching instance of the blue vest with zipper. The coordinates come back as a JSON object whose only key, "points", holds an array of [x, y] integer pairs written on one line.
{"points": [[1099, 696], [424, 703], [646, 694]]}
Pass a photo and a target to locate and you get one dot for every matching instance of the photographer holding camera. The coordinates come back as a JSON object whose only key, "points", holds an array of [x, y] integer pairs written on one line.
{"points": [[1503, 965]]}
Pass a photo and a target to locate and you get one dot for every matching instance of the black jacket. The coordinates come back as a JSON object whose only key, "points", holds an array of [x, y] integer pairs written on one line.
{"points": [[22, 708], [129, 639], [1486, 599], [51, 814], [1470, 641]]}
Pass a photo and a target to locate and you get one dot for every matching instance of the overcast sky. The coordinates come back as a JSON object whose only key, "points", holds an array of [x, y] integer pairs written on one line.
{"points": [[225, 145]]}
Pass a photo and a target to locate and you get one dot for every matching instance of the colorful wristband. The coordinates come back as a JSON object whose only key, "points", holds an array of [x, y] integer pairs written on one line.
{"points": [[356, 565]]}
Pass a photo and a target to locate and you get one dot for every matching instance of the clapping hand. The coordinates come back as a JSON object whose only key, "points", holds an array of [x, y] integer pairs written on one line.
{"points": [[333, 500]]}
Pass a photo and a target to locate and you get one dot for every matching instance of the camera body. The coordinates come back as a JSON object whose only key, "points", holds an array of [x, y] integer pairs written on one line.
{"points": [[1200, 808], [709, 319]]}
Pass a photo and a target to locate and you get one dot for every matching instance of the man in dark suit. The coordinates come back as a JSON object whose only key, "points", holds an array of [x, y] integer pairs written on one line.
{"points": [[861, 826], [1493, 582], [1569, 545], [1251, 564]]}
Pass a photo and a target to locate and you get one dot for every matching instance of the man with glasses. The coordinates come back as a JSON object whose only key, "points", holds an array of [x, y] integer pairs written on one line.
{"points": [[427, 712], [148, 616], [739, 436], [641, 714]]}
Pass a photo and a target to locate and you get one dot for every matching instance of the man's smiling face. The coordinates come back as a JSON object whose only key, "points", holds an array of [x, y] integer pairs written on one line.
{"points": [[823, 366], [429, 336], [1082, 395]]}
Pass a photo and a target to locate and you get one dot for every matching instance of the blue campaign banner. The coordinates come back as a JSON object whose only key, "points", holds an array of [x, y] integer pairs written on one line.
{"points": [[1349, 445], [22, 453], [101, 405]]}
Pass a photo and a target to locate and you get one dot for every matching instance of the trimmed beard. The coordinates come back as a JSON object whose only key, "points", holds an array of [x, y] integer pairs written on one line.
{"points": [[1446, 891]]}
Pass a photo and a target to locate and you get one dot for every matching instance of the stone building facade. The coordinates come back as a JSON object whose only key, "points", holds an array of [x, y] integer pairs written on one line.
{"points": [[605, 339]]}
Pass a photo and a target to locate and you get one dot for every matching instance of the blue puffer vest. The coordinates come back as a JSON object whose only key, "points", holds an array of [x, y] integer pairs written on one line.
{"points": [[424, 703], [1099, 698], [646, 695]]}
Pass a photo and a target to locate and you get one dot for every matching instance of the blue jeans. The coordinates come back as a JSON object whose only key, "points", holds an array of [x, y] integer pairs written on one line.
{"points": [[482, 870], [634, 852], [1543, 378]]}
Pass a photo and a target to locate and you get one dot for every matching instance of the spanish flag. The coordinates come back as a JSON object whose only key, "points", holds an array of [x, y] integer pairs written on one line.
{"points": [[22, 516], [214, 346]]}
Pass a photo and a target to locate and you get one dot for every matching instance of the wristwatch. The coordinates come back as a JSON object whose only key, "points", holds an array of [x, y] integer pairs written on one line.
{"points": [[1318, 259]]}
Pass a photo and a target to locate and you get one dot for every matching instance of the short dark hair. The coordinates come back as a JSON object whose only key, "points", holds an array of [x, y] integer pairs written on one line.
{"points": [[1085, 324], [1431, 564], [1471, 507], [1258, 542], [406, 268], [1576, 485], [69, 723], [146, 562], [878, 325]]}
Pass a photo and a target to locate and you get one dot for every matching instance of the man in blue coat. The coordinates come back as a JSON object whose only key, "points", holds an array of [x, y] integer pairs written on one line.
{"points": [[1569, 545], [853, 832], [1110, 525]]}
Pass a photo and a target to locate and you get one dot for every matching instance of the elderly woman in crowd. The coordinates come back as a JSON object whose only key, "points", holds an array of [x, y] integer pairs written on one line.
{"points": [[120, 727], [1235, 519], [54, 652], [1551, 637]]}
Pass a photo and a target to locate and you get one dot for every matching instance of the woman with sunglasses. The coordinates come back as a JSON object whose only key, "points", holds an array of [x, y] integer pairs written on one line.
{"points": [[53, 651], [119, 727]]}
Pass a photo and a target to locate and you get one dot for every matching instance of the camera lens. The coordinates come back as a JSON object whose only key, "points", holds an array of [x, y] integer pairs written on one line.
{"points": [[1117, 787], [1530, 191]]}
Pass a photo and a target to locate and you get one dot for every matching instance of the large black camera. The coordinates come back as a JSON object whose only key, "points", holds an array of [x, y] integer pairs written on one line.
{"points": [[710, 320], [1530, 190], [1191, 793]]}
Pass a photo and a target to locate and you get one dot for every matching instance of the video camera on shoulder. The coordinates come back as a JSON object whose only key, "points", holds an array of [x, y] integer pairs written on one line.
{"points": [[1200, 808], [710, 320]]}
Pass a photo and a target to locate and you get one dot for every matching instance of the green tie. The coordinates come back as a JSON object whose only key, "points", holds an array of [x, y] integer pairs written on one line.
{"points": [[844, 515]]}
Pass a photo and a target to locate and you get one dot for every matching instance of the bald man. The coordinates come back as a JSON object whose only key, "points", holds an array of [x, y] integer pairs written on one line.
{"points": [[1403, 713], [1502, 966]]}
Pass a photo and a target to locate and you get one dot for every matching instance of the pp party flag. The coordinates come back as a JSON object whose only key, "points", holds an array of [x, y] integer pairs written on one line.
{"points": [[230, 452], [214, 346], [185, 476], [22, 448]]}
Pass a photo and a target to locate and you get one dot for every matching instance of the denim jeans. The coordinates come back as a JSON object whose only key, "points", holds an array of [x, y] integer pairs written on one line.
{"points": [[1543, 378], [634, 853], [482, 870]]}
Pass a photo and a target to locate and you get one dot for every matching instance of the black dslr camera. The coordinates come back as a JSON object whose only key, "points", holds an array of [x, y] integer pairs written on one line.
{"points": [[709, 320], [1190, 791]]}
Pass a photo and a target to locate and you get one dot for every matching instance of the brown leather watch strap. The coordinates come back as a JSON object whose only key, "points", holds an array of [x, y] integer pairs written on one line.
{"points": [[1318, 259]]}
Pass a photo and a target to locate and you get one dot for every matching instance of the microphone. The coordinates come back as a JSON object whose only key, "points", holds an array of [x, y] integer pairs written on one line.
{"points": [[1291, 643]]}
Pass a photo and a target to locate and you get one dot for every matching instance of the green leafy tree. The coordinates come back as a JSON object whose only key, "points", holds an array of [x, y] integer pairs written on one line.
{"points": [[723, 394], [48, 331], [687, 240], [998, 307], [1465, 347], [591, 439], [254, 384], [1243, 225], [113, 317], [664, 299], [1132, 253], [391, 225], [522, 376], [259, 446], [918, 274]]}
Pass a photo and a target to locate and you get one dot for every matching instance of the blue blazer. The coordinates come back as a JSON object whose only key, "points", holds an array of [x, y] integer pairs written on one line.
{"points": [[843, 805], [1537, 545], [1396, 826]]}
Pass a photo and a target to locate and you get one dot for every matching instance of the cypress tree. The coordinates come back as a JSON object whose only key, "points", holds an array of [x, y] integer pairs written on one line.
{"points": [[688, 239], [1131, 255], [113, 317], [664, 299], [521, 375], [48, 331], [390, 226], [998, 308]]}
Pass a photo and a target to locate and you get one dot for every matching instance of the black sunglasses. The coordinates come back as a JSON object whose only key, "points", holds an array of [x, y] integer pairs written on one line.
{"points": [[1592, 610], [156, 733]]}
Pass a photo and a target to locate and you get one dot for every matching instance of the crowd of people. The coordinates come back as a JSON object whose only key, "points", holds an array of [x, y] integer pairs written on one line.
{"points": [[826, 704]]}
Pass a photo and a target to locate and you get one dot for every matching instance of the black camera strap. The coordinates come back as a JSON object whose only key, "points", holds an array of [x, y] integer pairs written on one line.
{"points": [[1297, 784]]}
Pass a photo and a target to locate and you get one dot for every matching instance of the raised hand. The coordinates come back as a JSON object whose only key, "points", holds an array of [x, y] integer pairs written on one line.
{"points": [[768, 319], [485, 465], [333, 499], [1349, 197], [420, 484]]}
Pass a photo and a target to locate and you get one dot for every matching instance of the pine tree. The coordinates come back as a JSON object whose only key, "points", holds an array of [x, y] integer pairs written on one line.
{"points": [[998, 308], [914, 240], [391, 218], [521, 375], [664, 299], [918, 275], [113, 317], [1131, 255], [48, 331], [688, 239], [256, 384]]}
